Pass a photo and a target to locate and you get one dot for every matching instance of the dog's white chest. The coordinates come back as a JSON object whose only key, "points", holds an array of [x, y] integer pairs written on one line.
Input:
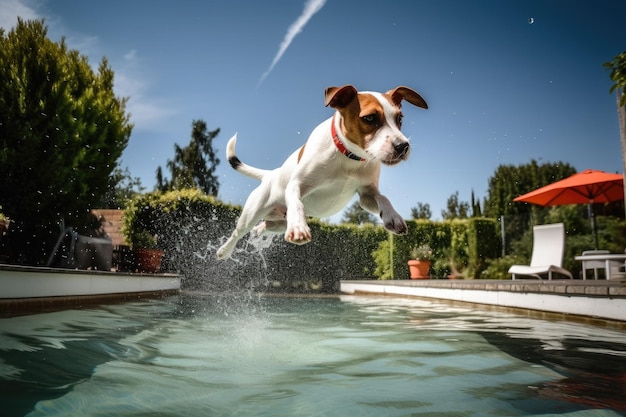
{"points": [[330, 198]]}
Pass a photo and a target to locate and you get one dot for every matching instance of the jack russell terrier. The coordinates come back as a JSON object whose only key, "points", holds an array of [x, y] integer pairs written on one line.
{"points": [[341, 157]]}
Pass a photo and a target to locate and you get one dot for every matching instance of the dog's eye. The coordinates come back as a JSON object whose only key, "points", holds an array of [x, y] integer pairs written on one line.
{"points": [[370, 119], [399, 120]]}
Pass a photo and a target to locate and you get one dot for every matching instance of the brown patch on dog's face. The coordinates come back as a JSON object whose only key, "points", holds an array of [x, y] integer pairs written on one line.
{"points": [[366, 118], [361, 113], [361, 119]]}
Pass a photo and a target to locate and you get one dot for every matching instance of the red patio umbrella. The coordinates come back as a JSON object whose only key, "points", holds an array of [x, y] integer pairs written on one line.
{"points": [[586, 187]]}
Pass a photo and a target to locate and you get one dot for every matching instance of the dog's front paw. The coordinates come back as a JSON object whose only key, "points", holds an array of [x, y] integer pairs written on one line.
{"points": [[395, 224], [298, 235], [224, 252]]}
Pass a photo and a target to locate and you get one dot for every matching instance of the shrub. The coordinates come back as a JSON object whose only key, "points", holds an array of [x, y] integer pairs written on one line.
{"points": [[458, 246], [186, 223], [382, 257], [191, 225], [483, 244], [498, 268]]}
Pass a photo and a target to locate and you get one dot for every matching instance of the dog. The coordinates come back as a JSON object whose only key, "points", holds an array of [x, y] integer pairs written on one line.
{"points": [[341, 157]]}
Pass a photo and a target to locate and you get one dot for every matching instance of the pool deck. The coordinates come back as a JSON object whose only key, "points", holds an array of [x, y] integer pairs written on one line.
{"points": [[603, 299]]}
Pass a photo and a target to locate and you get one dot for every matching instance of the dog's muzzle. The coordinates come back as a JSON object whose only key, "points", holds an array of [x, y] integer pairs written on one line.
{"points": [[401, 150]]}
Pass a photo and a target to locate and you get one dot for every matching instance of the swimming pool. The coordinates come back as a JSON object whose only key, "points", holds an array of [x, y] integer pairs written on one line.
{"points": [[201, 355]]}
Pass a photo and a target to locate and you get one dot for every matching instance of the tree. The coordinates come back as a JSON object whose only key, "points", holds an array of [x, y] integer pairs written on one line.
{"points": [[475, 205], [355, 214], [618, 76], [455, 209], [62, 130], [122, 189], [511, 181], [194, 165], [421, 211]]}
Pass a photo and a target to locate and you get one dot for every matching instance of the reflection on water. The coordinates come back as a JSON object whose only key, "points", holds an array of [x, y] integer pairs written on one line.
{"points": [[195, 355]]}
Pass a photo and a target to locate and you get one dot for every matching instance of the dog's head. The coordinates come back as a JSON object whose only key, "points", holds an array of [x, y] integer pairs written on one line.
{"points": [[373, 120]]}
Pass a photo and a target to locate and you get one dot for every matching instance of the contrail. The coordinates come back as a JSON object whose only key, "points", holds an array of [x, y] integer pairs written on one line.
{"points": [[310, 8]]}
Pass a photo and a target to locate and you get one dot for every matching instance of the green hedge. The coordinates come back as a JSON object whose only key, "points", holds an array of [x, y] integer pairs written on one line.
{"points": [[169, 214], [191, 226], [461, 246], [484, 244], [334, 253], [188, 224]]}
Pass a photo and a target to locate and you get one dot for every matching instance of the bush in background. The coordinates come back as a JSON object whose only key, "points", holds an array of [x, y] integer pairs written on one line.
{"points": [[191, 226], [460, 246]]}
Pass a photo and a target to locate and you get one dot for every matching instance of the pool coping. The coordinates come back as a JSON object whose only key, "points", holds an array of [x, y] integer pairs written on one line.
{"points": [[604, 299], [27, 288]]}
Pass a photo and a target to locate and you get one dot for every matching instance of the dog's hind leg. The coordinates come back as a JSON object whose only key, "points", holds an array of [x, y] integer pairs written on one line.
{"points": [[253, 212], [270, 226], [243, 227]]}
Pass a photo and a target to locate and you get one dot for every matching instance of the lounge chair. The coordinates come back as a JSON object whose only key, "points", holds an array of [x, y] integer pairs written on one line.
{"points": [[547, 257], [82, 252]]}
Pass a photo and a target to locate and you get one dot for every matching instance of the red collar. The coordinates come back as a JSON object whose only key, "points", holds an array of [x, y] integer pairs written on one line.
{"points": [[340, 145]]}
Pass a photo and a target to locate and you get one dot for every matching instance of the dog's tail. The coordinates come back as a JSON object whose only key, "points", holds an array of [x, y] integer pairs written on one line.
{"points": [[240, 166]]}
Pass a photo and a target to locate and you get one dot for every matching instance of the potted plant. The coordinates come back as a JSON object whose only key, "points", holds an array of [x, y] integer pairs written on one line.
{"points": [[147, 255], [419, 265], [4, 223], [454, 262], [456, 270]]}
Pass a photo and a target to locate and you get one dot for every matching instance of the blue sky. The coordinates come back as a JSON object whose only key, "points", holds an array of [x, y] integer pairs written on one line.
{"points": [[506, 81]]}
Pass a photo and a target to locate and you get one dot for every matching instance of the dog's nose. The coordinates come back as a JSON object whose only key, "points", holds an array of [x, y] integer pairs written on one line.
{"points": [[401, 147]]}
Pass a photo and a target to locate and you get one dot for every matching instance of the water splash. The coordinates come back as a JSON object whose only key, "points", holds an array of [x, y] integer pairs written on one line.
{"points": [[238, 281]]}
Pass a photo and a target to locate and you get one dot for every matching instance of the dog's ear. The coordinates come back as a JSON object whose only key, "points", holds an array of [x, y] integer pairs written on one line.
{"points": [[338, 97], [405, 93]]}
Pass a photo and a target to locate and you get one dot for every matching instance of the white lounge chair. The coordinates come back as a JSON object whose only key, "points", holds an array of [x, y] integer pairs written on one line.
{"points": [[547, 257]]}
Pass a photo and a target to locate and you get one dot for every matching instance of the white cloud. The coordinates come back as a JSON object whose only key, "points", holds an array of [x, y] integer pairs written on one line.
{"points": [[310, 8], [147, 114], [130, 55], [131, 81], [11, 9], [85, 44]]}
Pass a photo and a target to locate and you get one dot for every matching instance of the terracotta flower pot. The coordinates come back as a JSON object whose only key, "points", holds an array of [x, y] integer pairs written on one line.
{"points": [[148, 260], [419, 269], [4, 226]]}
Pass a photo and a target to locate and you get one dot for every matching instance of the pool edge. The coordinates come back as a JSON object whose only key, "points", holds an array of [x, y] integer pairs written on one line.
{"points": [[593, 299]]}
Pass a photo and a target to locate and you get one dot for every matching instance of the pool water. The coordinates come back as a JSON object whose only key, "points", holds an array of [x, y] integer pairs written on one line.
{"points": [[198, 355]]}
